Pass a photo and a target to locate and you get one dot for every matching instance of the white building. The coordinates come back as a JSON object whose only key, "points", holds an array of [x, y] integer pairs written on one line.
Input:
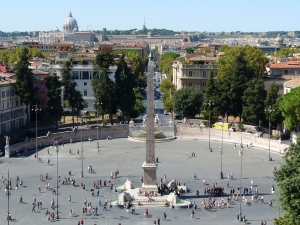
{"points": [[52, 36], [83, 76]]}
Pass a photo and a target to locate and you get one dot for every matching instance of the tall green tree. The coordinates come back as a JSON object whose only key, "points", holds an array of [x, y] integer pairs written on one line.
{"points": [[124, 81], [54, 102], [273, 101], [188, 102], [289, 107], [167, 88], [253, 58], [233, 86], [72, 97], [211, 101], [272, 95], [24, 82], [166, 62], [287, 177], [253, 101], [104, 88]]}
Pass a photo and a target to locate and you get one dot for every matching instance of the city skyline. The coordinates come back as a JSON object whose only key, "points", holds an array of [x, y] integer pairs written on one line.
{"points": [[232, 15]]}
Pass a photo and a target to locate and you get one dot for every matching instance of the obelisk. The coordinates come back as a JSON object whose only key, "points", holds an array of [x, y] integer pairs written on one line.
{"points": [[149, 165]]}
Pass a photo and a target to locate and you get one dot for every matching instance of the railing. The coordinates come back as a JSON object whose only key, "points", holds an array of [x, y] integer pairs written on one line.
{"points": [[199, 66]]}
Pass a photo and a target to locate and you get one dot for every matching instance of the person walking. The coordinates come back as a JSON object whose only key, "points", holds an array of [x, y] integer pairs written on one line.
{"points": [[193, 214], [33, 207], [165, 216], [104, 207], [21, 199], [158, 221], [99, 201], [69, 200], [133, 210]]}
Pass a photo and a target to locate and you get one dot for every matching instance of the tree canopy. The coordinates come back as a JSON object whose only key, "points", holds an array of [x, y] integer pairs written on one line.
{"points": [[12, 56], [290, 109], [24, 82], [72, 97], [167, 88], [287, 177], [54, 102], [253, 101], [188, 102]]}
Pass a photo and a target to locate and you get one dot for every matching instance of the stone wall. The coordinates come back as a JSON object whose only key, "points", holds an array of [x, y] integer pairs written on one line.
{"points": [[228, 136], [119, 131]]}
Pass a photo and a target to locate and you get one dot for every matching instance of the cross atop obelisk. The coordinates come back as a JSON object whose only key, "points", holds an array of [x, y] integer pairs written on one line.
{"points": [[150, 166]]}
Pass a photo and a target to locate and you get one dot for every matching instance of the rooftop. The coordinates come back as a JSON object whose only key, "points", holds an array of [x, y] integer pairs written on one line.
{"points": [[293, 83]]}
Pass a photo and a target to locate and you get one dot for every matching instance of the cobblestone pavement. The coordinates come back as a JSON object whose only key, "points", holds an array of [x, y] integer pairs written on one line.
{"points": [[127, 157]]}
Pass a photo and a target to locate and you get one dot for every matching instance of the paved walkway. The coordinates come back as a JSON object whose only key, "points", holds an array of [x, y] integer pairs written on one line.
{"points": [[127, 157]]}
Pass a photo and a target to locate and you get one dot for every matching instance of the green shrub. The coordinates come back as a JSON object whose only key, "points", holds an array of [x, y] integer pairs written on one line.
{"points": [[104, 122]]}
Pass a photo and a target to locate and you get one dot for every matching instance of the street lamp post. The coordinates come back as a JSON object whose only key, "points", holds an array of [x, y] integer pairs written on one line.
{"points": [[57, 150], [36, 109], [8, 194], [97, 115], [221, 150], [241, 176], [269, 109], [81, 150], [209, 104]]}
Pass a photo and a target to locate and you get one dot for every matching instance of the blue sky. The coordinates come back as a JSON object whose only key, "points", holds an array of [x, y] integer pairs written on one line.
{"points": [[178, 15]]}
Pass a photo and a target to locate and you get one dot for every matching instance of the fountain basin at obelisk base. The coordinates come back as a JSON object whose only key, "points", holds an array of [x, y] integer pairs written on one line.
{"points": [[158, 136]]}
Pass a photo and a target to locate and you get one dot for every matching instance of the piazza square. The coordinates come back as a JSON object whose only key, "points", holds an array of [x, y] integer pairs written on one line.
{"points": [[174, 161]]}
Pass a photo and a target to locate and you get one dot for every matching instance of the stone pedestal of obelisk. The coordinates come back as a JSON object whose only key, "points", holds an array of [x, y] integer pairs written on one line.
{"points": [[149, 165]]}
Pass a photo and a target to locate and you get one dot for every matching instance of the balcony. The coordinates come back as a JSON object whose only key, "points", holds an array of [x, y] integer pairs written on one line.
{"points": [[193, 66]]}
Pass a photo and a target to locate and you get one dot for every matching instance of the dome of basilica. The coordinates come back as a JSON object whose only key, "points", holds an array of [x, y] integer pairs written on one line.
{"points": [[70, 24]]}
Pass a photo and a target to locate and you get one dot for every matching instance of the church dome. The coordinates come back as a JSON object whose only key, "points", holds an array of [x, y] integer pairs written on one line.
{"points": [[70, 24]]}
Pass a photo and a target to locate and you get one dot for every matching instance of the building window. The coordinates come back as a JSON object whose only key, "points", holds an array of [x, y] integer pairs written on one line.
{"points": [[286, 90], [12, 104], [204, 73], [281, 87], [42, 94], [204, 84], [190, 73], [190, 84], [75, 75], [3, 94], [17, 103], [17, 124], [85, 83], [12, 92], [85, 75], [7, 93], [276, 72], [286, 72], [8, 126], [85, 93], [296, 72], [42, 85], [279, 96]]}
